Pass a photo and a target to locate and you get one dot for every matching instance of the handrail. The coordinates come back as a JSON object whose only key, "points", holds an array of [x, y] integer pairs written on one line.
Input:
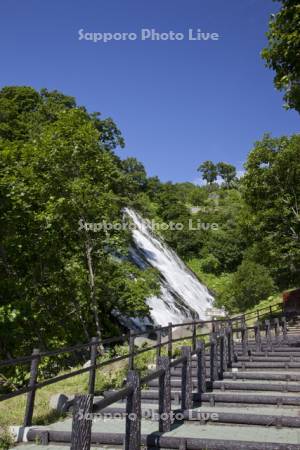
{"points": [[221, 356], [123, 337], [35, 358]]}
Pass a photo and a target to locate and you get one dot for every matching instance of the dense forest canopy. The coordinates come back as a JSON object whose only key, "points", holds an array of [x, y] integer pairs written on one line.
{"points": [[61, 283], [58, 167]]}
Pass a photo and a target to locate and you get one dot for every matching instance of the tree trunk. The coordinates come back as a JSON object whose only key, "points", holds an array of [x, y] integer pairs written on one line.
{"points": [[77, 308], [89, 249]]}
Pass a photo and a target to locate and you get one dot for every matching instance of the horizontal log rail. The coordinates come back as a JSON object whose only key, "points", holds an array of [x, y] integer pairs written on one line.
{"points": [[221, 347], [125, 337], [221, 344], [219, 359]]}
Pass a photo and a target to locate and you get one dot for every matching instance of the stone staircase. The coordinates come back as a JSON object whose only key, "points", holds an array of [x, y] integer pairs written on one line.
{"points": [[255, 406]]}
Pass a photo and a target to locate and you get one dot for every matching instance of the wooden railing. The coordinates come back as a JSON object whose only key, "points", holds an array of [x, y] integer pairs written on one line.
{"points": [[217, 335], [222, 352]]}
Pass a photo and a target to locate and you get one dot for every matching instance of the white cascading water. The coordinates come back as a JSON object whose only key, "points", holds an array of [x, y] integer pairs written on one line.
{"points": [[182, 296]]}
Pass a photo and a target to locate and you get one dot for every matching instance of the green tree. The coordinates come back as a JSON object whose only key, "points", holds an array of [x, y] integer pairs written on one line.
{"points": [[209, 171], [283, 51], [62, 278], [249, 285], [227, 172], [272, 194], [136, 174]]}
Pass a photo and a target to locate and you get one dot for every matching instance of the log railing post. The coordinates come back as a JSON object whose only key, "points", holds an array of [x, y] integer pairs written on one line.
{"points": [[133, 413], [194, 337], [201, 367], [164, 390], [186, 380], [82, 423], [213, 359], [268, 334], [257, 336], [93, 359], [32, 382], [222, 355], [230, 349], [131, 351], [244, 333], [225, 352], [284, 329], [240, 326], [158, 343], [213, 327], [276, 329], [170, 338]]}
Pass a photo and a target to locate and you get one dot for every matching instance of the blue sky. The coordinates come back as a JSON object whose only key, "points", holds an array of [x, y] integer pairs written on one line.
{"points": [[176, 102]]}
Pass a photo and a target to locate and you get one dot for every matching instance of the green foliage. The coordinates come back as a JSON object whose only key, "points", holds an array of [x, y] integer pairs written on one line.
{"points": [[282, 53], [218, 284], [272, 194], [249, 285], [136, 174], [210, 264], [209, 171], [62, 280], [265, 304], [59, 172], [6, 439], [227, 172]]}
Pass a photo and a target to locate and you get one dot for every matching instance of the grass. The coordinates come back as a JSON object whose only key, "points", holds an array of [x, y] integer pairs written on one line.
{"points": [[109, 377], [6, 439], [12, 410], [112, 376], [270, 301]]}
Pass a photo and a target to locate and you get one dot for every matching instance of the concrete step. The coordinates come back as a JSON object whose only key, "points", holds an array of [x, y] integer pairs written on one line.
{"points": [[261, 356], [286, 348], [268, 385], [250, 361], [262, 385], [266, 354], [253, 374], [264, 397], [270, 358], [192, 434], [270, 375], [267, 365], [265, 415], [251, 397]]}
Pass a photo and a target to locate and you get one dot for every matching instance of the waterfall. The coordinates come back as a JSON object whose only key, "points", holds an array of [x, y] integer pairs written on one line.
{"points": [[182, 296]]}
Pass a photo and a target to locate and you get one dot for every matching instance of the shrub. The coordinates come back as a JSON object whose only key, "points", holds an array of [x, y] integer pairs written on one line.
{"points": [[250, 284], [6, 439], [210, 264]]}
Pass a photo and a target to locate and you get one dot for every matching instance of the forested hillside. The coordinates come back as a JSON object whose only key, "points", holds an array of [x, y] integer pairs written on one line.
{"points": [[61, 282]]}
